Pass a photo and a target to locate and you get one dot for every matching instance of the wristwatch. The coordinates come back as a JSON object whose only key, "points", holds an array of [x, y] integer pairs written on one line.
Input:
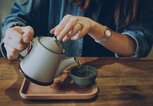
{"points": [[107, 34]]}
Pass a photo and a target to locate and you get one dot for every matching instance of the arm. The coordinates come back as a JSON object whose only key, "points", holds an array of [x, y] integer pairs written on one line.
{"points": [[133, 41], [139, 32], [118, 42]]}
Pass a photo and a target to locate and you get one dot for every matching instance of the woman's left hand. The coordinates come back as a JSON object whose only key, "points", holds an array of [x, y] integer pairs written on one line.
{"points": [[72, 27]]}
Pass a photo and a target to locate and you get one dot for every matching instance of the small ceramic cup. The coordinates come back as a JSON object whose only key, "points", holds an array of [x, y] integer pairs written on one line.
{"points": [[83, 76]]}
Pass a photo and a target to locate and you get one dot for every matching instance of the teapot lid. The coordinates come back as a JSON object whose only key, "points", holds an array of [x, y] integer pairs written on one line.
{"points": [[52, 44]]}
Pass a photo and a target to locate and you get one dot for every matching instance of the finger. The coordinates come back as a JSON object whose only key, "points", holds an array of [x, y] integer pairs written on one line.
{"points": [[13, 34], [66, 38], [80, 34], [69, 26], [52, 31], [62, 24], [76, 29], [28, 34], [16, 45], [11, 52], [18, 29]]}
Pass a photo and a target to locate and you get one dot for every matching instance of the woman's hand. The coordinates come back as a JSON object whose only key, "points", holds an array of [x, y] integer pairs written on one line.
{"points": [[72, 27], [16, 40]]}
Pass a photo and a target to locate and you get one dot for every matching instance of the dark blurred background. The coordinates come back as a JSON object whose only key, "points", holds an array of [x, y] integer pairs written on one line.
{"points": [[5, 6]]}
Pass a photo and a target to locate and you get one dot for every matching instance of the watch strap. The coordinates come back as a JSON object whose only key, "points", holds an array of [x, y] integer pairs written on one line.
{"points": [[107, 34]]}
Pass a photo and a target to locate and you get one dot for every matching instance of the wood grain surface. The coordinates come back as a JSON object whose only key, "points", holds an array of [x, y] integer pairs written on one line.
{"points": [[121, 82]]}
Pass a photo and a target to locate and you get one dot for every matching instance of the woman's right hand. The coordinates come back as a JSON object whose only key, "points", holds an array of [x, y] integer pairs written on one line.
{"points": [[16, 40]]}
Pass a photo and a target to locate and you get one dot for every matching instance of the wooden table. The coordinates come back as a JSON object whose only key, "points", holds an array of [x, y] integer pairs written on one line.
{"points": [[121, 82]]}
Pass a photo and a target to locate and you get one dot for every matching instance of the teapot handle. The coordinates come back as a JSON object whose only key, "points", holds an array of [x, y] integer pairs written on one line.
{"points": [[26, 51]]}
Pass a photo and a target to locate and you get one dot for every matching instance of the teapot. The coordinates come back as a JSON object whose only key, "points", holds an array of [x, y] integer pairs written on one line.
{"points": [[44, 61]]}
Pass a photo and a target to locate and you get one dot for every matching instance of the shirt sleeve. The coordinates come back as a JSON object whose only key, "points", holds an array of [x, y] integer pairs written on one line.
{"points": [[142, 35]]}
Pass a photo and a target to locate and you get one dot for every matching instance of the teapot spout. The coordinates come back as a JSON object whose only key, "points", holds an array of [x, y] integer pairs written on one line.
{"points": [[64, 63]]}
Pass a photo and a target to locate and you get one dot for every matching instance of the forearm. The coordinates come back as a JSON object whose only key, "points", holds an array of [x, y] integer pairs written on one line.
{"points": [[118, 43], [121, 44]]}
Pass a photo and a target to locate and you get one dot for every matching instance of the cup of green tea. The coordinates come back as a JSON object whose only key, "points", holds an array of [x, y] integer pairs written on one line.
{"points": [[84, 75]]}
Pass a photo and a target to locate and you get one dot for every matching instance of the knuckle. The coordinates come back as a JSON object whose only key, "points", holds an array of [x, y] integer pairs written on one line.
{"points": [[13, 51], [17, 27], [30, 29], [68, 16], [21, 46], [73, 19], [10, 56], [11, 29], [69, 35], [20, 39]]}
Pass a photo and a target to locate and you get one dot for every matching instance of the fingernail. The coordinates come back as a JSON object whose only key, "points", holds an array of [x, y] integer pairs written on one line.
{"points": [[51, 31], [11, 57], [73, 38], [64, 39], [26, 40], [56, 32], [58, 38]]}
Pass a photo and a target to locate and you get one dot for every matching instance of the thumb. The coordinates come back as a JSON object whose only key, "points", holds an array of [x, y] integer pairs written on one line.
{"points": [[28, 34]]}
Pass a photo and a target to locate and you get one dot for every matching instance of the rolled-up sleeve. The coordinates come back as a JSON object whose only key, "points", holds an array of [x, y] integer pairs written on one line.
{"points": [[142, 34]]}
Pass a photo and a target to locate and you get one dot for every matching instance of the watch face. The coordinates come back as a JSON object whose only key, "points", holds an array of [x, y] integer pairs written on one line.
{"points": [[108, 32], [106, 36]]}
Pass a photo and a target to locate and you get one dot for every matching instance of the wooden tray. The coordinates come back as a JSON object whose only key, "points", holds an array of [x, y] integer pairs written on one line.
{"points": [[63, 88]]}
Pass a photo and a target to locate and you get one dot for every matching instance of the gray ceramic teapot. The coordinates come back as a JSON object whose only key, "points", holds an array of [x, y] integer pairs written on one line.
{"points": [[44, 61]]}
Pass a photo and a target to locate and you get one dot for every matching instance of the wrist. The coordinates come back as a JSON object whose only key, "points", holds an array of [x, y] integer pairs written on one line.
{"points": [[105, 36], [92, 27], [97, 31]]}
